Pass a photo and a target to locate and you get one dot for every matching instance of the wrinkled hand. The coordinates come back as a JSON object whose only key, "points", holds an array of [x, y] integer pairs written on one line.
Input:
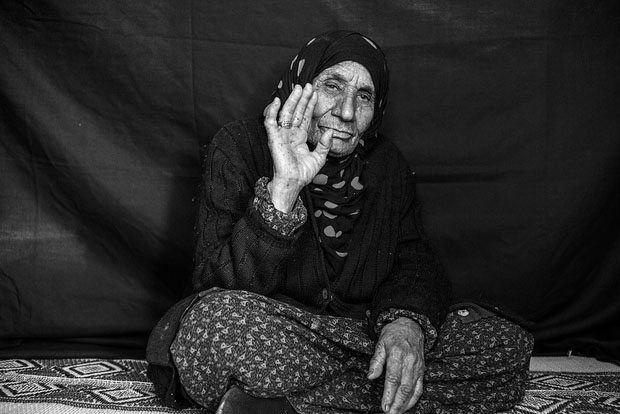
{"points": [[294, 164], [400, 349]]}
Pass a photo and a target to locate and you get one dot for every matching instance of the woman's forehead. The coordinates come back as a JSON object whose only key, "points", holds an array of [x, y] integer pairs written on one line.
{"points": [[350, 72]]}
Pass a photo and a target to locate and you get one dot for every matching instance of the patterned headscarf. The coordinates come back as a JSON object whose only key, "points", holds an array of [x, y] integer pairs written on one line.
{"points": [[330, 48], [336, 193]]}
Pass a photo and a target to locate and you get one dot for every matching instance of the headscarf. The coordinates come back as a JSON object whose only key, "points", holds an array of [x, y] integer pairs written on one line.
{"points": [[336, 193], [330, 48]]}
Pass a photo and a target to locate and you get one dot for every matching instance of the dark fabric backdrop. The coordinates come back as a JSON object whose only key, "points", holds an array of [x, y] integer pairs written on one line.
{"points": [[508, 112]]}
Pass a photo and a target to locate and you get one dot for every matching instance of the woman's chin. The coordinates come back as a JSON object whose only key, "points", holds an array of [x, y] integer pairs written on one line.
{"points": [[342, 148]]}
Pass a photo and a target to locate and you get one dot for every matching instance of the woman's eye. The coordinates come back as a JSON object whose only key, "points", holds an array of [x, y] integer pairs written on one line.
{"points": [[332, 86], [366, 97]]}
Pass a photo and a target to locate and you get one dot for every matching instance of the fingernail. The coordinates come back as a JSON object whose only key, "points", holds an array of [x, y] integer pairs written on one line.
{"points": [[386, 408]]}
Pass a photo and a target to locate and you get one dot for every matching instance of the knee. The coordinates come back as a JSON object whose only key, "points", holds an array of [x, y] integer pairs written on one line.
{"points": [[217, 308], [212, 319], [472, 333], [516, 342]]}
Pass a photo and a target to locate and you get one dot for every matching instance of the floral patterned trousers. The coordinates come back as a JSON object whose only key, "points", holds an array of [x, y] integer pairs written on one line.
{"points": [[270, 349]]}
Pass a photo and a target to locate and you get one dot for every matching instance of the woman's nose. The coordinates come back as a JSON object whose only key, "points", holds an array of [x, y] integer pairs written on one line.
{"points": [[345, 107]]}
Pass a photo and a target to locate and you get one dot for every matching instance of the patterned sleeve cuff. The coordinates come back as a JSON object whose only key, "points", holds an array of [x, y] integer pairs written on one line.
{"points": [[391, 314], [283, 223]]}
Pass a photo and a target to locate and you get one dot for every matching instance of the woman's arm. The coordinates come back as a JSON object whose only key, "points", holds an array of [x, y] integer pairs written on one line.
{"points": [[407, 309], [417, 282], [235, 246], [238, 245]]}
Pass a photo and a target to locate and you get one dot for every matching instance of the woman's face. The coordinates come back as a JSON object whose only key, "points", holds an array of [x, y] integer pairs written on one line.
{"points": [[346, 102]]}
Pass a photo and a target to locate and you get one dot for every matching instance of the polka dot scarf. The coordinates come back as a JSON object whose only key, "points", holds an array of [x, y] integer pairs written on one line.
{"points": [[336, 194], [337, 191]]}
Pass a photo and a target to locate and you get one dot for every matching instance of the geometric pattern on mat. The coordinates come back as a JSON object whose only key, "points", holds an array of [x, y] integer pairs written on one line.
{"points": [[119, 384], [571, 392], [122, 385], [92, 369]]}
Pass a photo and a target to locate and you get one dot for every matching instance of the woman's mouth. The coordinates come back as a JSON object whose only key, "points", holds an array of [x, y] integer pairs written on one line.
{"points": [[338, 133]]}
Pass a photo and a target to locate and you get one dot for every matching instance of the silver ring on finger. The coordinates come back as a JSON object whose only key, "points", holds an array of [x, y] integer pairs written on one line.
{"points": [[286, 124]]}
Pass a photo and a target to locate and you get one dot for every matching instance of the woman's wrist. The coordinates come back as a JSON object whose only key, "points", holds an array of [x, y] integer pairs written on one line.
{"points": [[283, 194], [284, 224]]}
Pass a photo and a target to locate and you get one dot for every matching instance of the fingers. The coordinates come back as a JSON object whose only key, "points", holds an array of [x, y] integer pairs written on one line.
{"points": [[271, 113], [303, 105], [307, 115], [292, 113], [408, 385], [392, 382], [377, 361], [286, 113], [324, 145], [417, 393]]}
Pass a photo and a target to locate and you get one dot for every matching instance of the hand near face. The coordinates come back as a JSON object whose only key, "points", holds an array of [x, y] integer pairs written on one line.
{"points": [[400, 349], [293, 162]]}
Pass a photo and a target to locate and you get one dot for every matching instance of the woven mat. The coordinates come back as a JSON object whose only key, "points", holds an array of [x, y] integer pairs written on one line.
{"points": [[74, 386]]}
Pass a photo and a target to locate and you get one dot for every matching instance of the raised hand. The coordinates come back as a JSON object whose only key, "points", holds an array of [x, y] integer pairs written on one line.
{"points": [[294, 165]]}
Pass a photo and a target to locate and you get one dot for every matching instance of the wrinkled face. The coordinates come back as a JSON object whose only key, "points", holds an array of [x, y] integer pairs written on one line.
{"points": [[346, 102]]}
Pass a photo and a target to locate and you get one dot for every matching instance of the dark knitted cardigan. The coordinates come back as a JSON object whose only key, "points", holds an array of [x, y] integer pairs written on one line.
{"points": [[390, 264]]}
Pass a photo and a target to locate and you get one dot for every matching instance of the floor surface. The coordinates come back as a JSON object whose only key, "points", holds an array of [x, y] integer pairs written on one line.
{"points": [[571, 364]]}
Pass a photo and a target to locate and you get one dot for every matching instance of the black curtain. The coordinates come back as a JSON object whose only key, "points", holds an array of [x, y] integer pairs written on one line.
{"points": [[508, 112]]}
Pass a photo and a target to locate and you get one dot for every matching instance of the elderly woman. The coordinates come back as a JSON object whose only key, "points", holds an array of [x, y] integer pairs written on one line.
{"points": [[315, 288]]}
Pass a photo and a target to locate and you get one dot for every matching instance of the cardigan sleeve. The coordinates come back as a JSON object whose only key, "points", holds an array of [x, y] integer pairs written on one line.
{"points": [[417, 282], [236, 247], [283, 223]]}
